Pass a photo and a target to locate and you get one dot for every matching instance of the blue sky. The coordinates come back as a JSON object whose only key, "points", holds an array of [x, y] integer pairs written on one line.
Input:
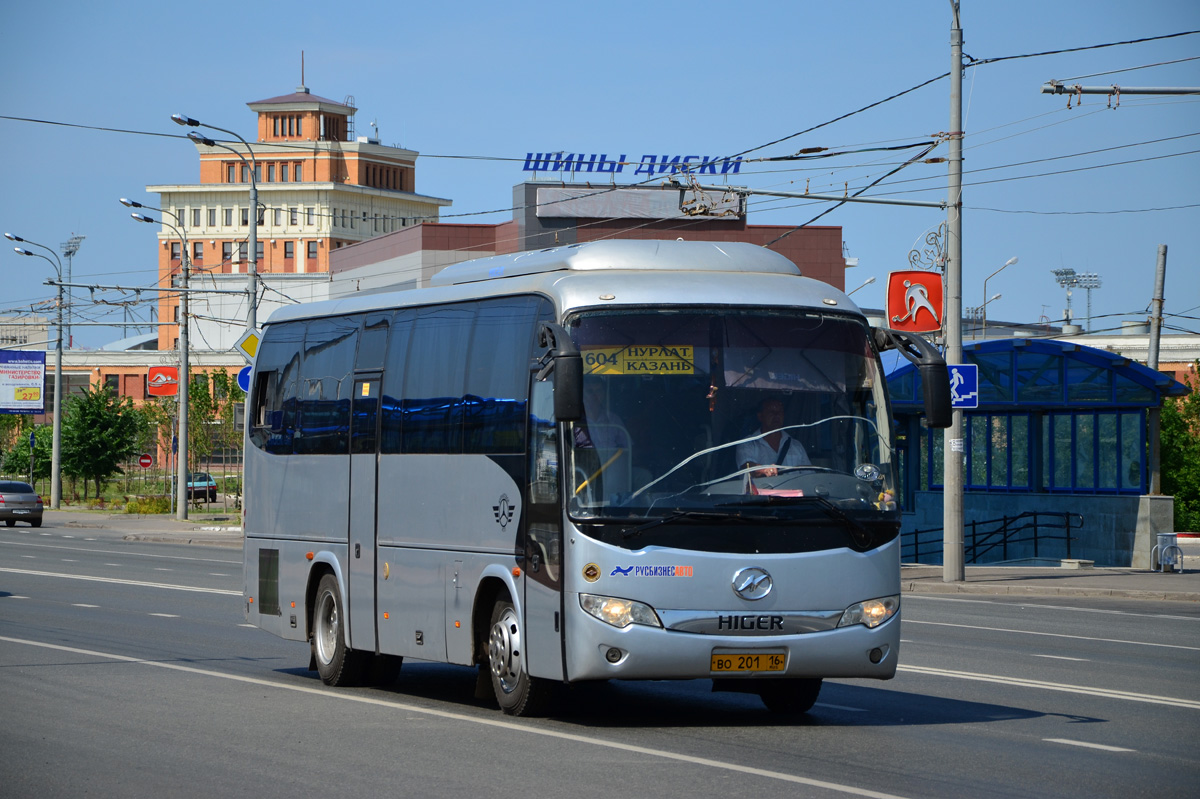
{"points": [[501, 80]]}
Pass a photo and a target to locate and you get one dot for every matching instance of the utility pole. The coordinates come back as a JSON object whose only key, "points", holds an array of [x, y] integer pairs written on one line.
{"points": [[1156, 320], [953, 569], [69, 248]]}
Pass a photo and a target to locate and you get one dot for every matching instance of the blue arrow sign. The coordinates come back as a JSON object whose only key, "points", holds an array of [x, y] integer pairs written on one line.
{"points": [[964, 385], [243, 379]]}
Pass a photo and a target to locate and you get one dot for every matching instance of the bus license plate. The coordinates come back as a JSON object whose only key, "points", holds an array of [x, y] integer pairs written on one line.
{"points": [[748, 661]]}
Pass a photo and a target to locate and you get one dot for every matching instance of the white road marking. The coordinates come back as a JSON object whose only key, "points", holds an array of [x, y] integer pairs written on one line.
{"points": [[83, 605], [126, 553], [1061, 657], [13, 596], [1053, 635], [166, 615], [251, 626], [118, 565], [1026, 604], [116, 581], [842, 707], [163, 570], [497, 723], [1104, 693], [1069, 742], [30, 557], [69, 560], [217, 574]]}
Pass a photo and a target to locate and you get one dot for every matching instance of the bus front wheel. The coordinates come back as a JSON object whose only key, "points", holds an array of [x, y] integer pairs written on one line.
{"points": [[517, 693], [790, 697], [337, 664]]}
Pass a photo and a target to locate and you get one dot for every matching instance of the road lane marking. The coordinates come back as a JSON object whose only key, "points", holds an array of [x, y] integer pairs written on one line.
{"points": [[1053, 635], [116, 581], [1062, 657], [1069, 742], [1024, 603], [159, 569], [166, 615], [126, 553], [842, 707], [83, 605], [1104, 693], [13, 596], [510, 726]]}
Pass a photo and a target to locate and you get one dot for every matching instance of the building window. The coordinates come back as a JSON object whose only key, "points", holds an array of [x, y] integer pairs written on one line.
{"points": [[352, 221], [283, 173], [310, 216], [270, 173], [299, 126], [293, 216], [289, 250], [245, 174], [229, 173], [258, 250], [113, 383], [258, 173], [212, 217], [312, 251], [278, 216], [335, 217], [243, 250], [276, 121], [195, 217], [197, 251], [174, 251], [226, 251], [228, 216], [245, 216], [175, 314], [297, 173]]}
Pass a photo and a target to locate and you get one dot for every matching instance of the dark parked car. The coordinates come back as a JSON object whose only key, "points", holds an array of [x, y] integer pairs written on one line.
{"points": [[202, 486], [19, 503]]}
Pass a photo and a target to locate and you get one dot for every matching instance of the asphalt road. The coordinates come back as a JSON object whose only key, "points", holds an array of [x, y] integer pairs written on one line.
{"points": [[125, 669]]}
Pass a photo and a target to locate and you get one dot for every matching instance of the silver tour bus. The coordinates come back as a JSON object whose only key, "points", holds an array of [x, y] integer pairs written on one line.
{"points": [[617, 460]]}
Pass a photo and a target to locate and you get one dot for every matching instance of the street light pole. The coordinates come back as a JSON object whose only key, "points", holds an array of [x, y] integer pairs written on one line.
{"points": [[185, 382], [1007, 263], [865, 283], [56, 445], [252, 272]]}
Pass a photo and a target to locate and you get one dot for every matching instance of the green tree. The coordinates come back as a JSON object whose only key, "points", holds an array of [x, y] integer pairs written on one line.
{"points": [[1180, 441], [202, 411], [16, 458], [99, 432]]}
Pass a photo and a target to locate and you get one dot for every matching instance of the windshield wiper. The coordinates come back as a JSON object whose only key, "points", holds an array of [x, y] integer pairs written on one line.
{"points": [[858, 531], [681, 514]]}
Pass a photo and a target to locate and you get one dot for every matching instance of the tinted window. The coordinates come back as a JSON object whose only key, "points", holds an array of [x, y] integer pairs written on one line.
{"points": [[325, 387], [497, 380], [391, 424], [372, 346], [433, 383], [277, 368]]}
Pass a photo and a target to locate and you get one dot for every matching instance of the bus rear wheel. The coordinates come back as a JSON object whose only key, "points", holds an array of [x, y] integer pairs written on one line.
{"points": [[337, 664], [790, 697], [517, 693]]}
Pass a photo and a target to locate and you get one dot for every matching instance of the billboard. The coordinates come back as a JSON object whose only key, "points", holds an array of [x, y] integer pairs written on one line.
{"points": [[22, 381]]}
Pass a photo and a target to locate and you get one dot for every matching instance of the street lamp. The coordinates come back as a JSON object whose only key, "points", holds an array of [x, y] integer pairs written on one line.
{"points": [[181, 499], [252, 272], [56, 446], [1007, 264], [866, 282]]}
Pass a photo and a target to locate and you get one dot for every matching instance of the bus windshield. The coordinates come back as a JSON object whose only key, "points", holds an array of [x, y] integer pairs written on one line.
{"points": [[729, 413]]}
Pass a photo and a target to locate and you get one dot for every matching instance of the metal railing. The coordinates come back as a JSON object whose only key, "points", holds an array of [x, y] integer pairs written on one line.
{"points": [[984, 540]]}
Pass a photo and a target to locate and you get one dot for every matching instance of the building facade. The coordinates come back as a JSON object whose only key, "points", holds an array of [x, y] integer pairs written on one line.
{"points": [[319, 188]]}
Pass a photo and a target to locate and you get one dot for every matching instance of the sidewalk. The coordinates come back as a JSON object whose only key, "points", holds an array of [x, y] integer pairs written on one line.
{"points": [[224, 529]]}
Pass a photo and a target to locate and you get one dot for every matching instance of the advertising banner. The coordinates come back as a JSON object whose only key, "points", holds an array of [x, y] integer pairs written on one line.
{"points": [[22, 381]]}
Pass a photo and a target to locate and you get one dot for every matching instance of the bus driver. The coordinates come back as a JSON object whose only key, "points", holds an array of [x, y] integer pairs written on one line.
{"points": [[775, 448]]}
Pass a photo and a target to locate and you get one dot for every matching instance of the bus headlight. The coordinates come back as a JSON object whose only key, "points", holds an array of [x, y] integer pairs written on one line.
{"points": [[871, 613], [619, 612]]}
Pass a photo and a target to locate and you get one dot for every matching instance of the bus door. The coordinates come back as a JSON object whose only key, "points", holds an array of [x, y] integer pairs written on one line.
{"points": [[542, 574], [364, 435]]}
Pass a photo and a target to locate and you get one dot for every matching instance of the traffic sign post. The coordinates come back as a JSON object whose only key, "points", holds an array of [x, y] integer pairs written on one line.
{"points": [[145, 461]]}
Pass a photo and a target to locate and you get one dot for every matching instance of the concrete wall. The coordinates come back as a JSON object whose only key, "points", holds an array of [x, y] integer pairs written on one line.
{"points": [[1111, 534]]}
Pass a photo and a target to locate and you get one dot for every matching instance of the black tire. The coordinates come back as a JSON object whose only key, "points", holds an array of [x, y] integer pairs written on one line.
{"points": [[337, 664], [790, 697], [34, 523], [517, 693], [11, 522]]}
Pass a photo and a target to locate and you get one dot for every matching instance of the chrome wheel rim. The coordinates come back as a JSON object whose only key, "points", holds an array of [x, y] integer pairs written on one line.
{"points": [[326, 634], [504, 651]]}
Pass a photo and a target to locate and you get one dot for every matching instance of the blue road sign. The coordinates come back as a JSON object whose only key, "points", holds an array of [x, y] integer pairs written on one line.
{"points": [[243, 379], [964, 385], [31, 439]]}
